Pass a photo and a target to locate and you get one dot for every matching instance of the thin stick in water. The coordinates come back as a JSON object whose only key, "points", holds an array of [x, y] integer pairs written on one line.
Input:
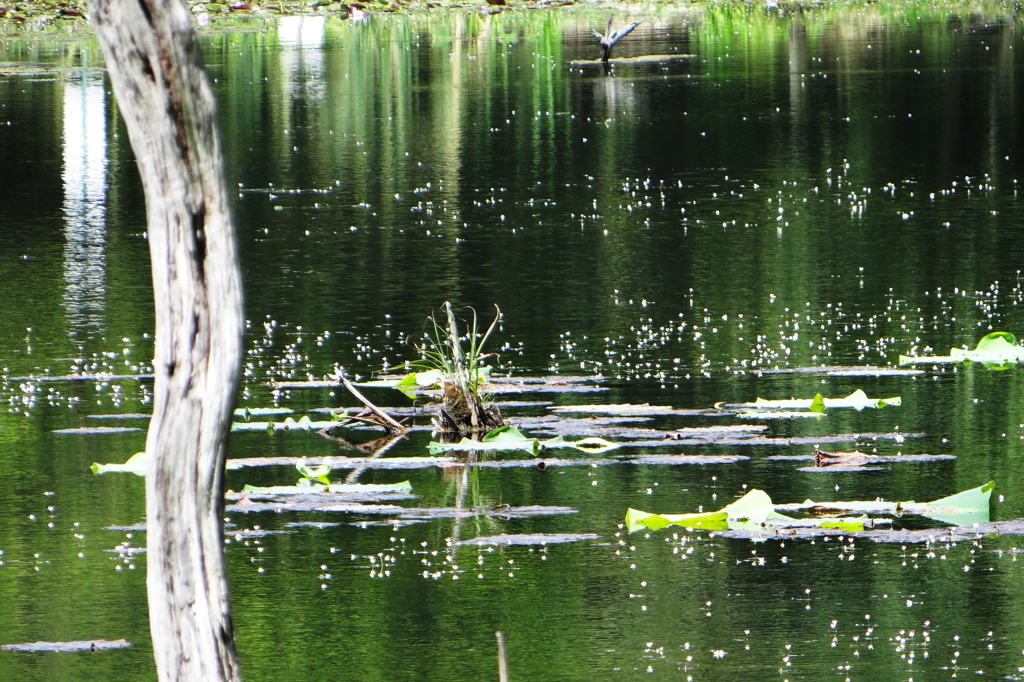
{"points": [[502, 665]]}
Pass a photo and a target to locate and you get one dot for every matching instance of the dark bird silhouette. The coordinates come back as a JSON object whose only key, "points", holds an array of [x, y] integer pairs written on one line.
{"points": [[611, 37]]}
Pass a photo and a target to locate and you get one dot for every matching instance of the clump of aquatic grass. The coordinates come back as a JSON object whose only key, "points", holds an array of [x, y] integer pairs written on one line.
{"points": [[463, 372]]}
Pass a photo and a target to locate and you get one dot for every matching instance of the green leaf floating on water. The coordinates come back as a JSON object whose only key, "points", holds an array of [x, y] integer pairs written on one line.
{"points": [[592, 444], [963, 509], [410, 383], [857, 400], [248, 413], [136, 464], [998, 350], [289, 424], [501, 438], [511, 438], [753, 511], [309, 474]]}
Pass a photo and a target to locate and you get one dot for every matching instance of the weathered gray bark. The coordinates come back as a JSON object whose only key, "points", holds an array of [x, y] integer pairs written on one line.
{"points": [[165, 99]]}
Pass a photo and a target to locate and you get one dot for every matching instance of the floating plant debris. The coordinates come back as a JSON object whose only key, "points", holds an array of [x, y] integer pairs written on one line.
{"points": [[523, 387], [334, 488], [552, 421], [306, 504], [855, 461], [289, 424], [969, 506], [889, 535], [757, 439], [134, 528], [100, 376], [298, 500], [642, 59], [641, 410], [683, 459], [247, 412], [532, 463], [92, 430], [344, 462], [510, 438], [857, 400], [580, 427], [314, 504], [120, 416], [847, 371], [310, 524], [492, 388], [502, 438], [68, 647], [752, 511], [530, 539], [136, 464], [504, 511], [426, 409], [393, 523], [778, 414], [312, 383], [756, 512], [998, 350]]}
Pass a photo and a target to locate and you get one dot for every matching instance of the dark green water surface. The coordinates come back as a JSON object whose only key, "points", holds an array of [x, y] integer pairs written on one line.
{"points": [[799, 187]]}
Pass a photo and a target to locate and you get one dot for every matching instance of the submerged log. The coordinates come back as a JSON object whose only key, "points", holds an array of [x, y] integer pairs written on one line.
{"points": [[161, 88]]}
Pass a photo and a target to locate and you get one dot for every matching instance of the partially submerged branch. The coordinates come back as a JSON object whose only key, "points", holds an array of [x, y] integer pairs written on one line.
{"points": [[610, 37], [380, 417]]}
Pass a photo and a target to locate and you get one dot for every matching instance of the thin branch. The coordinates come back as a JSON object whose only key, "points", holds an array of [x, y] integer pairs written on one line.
{"points": [[462, 376], [385, 419], [502, 663]]}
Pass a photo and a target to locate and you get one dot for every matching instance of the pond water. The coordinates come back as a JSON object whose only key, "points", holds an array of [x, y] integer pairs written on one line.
{"points": [[794, 188]]}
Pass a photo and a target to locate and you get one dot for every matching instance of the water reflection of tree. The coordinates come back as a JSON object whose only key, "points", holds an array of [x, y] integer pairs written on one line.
{"points": [[85, 188]]}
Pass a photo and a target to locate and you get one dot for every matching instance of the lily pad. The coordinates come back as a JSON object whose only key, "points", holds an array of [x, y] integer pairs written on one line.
{"points": [[136, 464], [751, 512], [964, 508], [998, 350], [755, 506], [502, 438]]}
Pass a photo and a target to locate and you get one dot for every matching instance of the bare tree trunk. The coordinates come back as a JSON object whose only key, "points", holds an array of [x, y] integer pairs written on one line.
{"points": [[165, 99]]}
